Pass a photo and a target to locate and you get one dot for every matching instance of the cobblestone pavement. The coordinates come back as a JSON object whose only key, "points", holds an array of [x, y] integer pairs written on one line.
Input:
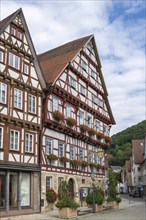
{"points": [[129, 209]]}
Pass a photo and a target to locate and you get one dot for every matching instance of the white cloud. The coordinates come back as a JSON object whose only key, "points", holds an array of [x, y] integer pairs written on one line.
{"points": [[120, 43]]}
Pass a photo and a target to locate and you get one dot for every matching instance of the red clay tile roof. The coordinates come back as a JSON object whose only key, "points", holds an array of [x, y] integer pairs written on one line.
{"points": [[8, 19], [138, 151], [53, 62]]}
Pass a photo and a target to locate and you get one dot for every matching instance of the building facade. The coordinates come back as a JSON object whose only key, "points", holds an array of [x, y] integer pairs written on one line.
{"points": [[77, 118], [21, 93]]}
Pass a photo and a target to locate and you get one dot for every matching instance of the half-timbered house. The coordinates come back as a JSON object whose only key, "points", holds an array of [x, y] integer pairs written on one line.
{"points": [[21, 93], [77, 117]]}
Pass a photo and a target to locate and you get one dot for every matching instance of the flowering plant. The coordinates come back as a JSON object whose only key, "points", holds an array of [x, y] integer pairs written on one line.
{"points": [[91, 132], [84, 128], [64, 159], [51, 195], [100, 135], [108, 139], [75, 162], [52, 157], [71, 122], [58, 116], [84, 163]]}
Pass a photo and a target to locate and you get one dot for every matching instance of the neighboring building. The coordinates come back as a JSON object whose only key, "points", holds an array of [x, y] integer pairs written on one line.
{"points": [[126, 176], [21, 92], [77, 117], [136, 161], [143, 167]]}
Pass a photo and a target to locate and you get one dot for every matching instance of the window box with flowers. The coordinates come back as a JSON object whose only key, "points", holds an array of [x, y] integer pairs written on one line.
{"points": [[92, 165], [108, 139], [91, 132], [83, 128], [75, 162], [84, 163], [52, 157], [64, 159], [58, 116], [71, 122], [99, 135]]}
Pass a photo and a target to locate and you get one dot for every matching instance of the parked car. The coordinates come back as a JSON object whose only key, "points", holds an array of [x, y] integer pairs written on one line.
{"points": [[135, 193]]}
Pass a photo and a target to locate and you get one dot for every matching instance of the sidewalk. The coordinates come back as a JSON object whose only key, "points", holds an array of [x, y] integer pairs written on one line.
{"points": [[53, 215]]}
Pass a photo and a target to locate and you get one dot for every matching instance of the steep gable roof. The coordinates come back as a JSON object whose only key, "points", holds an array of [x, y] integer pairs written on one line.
{"points": [[138, 151], [53, 62], [3, 25]]}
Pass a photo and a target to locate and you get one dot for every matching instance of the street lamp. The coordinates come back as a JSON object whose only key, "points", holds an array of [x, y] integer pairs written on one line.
{"points": [[92, 175]]}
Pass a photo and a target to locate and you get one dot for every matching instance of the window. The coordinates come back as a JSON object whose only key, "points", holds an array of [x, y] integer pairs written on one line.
{"points": [[48, 182], [95, 158], [55, 104], [73, 82], [97, 125], [81, 153], [1, 56], [89, 120], [72, 152], [17, 98], [60, 180], [16, 32], [49, 146], [32, 104], [14, 140], [95, 100], [93, 74], [90, 48], [2, 189], [3, 88], [81, 117], [26, 68], [14, 61], [100, 103], [61, 149], [83, 90], [1, 137], [84, 65], [68, 111], [25, 189], [29, 143]]}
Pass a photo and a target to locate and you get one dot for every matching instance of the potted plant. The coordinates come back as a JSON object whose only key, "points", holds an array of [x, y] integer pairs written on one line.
{"points": [[84, 163], [51, 197], [52, 157], [99, 135], [108, 139], [83, 128], [71, 122], [58, 116], [67, 207], [112, 198], [91, 132], [98, 197], [75, 162], [64, 159]]}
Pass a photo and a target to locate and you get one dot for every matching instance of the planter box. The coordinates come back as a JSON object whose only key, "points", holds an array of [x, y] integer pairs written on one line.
{"points": [[98, 208], [113, 204], [67, 213]]}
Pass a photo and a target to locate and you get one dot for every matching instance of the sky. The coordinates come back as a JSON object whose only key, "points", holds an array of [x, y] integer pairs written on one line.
{"points": [[119, 28]]}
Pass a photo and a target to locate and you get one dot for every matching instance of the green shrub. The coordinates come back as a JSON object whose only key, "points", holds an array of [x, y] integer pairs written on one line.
{"points": [[67, 202], [51, 195], [98, 196]]}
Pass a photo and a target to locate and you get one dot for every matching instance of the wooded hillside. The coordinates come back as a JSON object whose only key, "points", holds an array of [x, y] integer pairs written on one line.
{"points": [[121, 143]]}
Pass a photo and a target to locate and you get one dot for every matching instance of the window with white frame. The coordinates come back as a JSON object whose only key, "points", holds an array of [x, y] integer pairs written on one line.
{"points": [[14, 140], [49, 146], [97, 125], [1, 137], [73, 82], [1, 56], [93, 74], [17, 98], [14, 61], [29, 143], [89, 120], [55, 104], [68, 111], [72, 152], [95, 100], [32, 104], [84, 65], [81, 153], [19, 34], [81, 117], [3, 91], [26, 68], [101, 103], [105, 130], [61, 149], [95, 158], [16, 32], [83, 90], [48, 182]]}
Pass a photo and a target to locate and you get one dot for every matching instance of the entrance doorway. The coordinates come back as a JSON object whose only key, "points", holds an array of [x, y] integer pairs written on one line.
{"points": [[71, 187]]}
